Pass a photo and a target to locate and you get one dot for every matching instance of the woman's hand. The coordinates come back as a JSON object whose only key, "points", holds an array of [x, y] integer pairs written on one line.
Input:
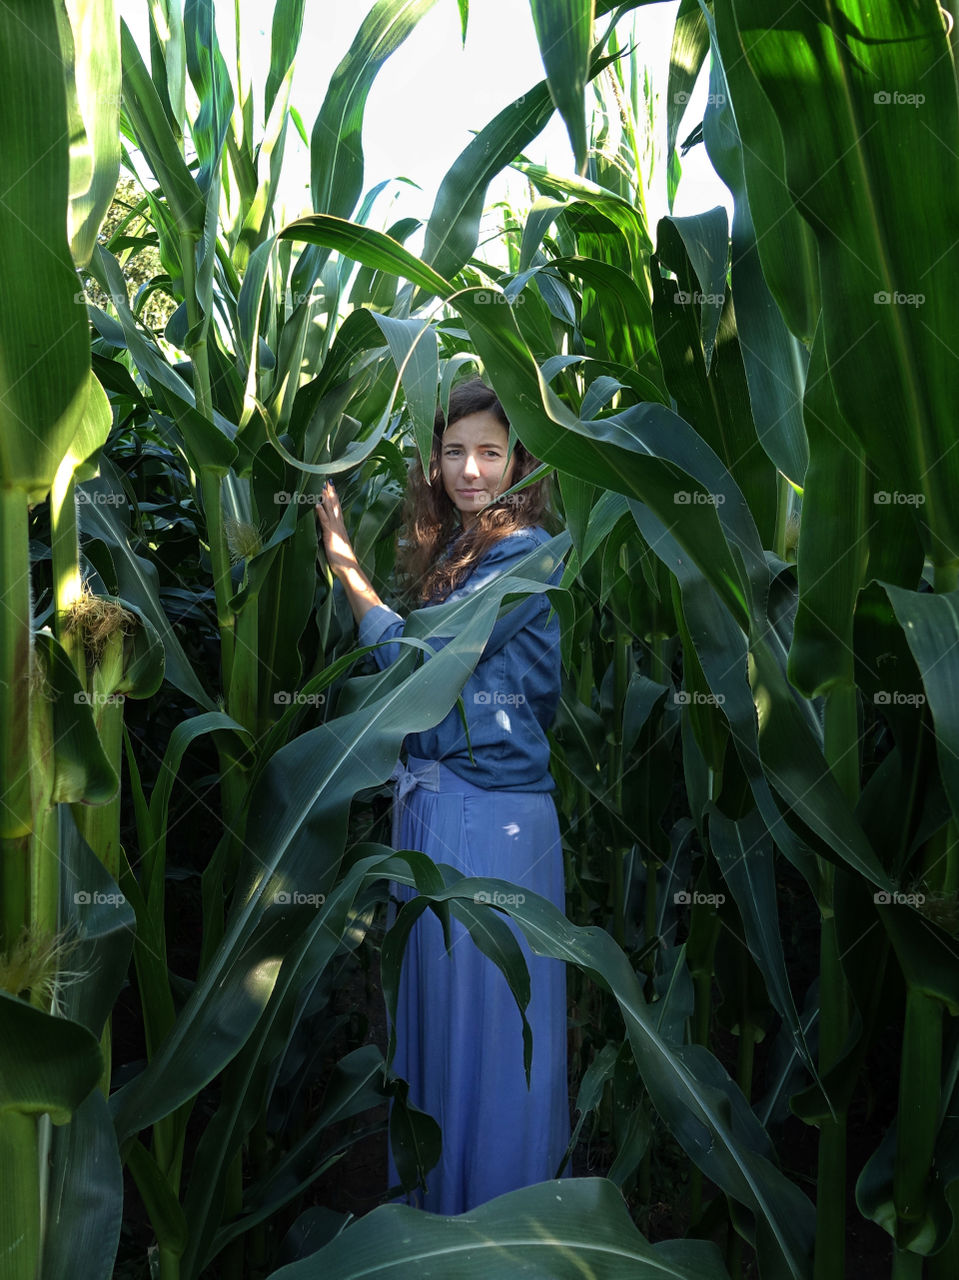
{"points": [[336, 541], [341, 557]]}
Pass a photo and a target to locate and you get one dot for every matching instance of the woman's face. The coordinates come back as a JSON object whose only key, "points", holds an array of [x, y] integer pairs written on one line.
{"points": [[472, 462]]}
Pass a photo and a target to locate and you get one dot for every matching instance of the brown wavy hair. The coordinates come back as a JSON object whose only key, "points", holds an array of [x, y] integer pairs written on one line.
{"points": [[428, 568]]}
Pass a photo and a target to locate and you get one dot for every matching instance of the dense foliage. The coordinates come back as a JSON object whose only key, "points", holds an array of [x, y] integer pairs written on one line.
{"points": [[751, 432]]}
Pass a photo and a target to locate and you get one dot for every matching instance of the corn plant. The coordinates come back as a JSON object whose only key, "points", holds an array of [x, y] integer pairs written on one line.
{"points": [[689, 384]]}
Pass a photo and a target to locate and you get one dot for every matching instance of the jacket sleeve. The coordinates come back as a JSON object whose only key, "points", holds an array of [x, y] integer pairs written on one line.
{"points": [[382, 624]]}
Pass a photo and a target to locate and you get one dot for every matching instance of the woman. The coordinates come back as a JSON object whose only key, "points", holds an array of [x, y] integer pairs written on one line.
{"points": [[459, 1032]]}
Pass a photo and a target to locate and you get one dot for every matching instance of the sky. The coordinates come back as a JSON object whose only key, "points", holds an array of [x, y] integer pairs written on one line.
{"points": [[432, 92]]}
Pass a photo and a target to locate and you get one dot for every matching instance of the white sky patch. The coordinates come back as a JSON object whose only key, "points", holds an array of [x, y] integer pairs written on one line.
{"points": [[432, 95]]}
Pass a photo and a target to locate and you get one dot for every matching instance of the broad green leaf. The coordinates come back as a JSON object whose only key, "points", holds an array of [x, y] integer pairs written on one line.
{"points": [[453, 229], [413, 345], [150, 361], [299, 807], [90, 899], [90, 47], [183, 735], [774, 359], [620, 212], [564, 31], [43, 331], [204, 447], [159, 1199], [784, 241], [356, 1085], [686, 57], [47, 1064], [877, 85], [336, 153], [705, 242], [137, 578], [833, 546], [551, 1231], [703, 1109], [617, 321], [68, 750], [775, 739], [372, 248], [710, 393], [285, 40], [169, 61], [212, 84], [415, 1139], [744, 853], [142, 106], [931, 626], [85, 1196]]}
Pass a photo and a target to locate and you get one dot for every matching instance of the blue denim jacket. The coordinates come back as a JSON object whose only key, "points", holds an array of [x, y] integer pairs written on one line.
{"points": [[511, 697]]}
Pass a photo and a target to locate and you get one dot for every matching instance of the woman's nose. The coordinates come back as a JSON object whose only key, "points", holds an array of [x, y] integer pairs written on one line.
{"points": [[470, 466]]}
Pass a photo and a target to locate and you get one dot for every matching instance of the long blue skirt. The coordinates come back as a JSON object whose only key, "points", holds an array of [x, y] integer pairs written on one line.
{"points": [[459, 1032]]}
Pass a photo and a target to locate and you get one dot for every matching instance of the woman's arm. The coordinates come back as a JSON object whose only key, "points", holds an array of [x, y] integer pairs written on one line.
{"points": [[341, 557]]}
